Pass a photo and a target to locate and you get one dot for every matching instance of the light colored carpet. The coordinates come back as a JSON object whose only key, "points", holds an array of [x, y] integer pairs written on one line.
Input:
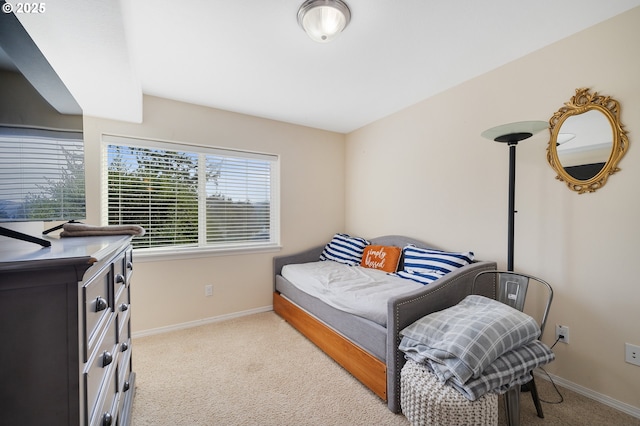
{"points": [[258, 370]]}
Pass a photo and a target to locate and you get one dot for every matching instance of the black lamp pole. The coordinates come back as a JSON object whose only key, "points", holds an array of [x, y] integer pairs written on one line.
{"points": [[511, 134], [512, 204], [512, 141]]}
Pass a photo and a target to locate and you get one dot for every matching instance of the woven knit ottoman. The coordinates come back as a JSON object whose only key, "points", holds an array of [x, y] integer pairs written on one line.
{"points": [[426, 401]]}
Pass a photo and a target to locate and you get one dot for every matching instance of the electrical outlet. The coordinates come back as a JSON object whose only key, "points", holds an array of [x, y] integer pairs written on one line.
{"points": [[562, 333], [208, 290], [632, 354]]}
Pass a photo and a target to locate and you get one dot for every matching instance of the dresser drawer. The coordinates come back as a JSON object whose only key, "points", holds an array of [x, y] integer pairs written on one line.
{"points": [[101, 366], [123, 309], [125, 385], [128, 264], [124, 366], [124, 360], [121, 272], [96, 297], [106, 410]]}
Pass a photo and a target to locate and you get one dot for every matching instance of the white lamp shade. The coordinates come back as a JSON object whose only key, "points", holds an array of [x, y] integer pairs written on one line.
{"points": [[520, 130], [323, 20]]}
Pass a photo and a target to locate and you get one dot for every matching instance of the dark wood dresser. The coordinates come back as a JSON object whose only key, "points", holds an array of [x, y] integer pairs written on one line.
{"points": [[65, 332]]}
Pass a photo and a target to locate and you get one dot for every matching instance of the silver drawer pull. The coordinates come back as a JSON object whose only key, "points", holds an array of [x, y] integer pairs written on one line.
{"points": [[120, 279], [124, 307], [107, 419], [125, 387], [130, 266], [101, 304], [107, 358], [124, 347]]}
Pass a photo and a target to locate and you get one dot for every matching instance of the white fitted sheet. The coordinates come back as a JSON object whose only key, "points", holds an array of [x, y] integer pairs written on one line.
{"points": [[354, 289]]}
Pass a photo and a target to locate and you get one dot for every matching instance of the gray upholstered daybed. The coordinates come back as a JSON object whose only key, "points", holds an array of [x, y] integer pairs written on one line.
{"points": [[368, 350]]}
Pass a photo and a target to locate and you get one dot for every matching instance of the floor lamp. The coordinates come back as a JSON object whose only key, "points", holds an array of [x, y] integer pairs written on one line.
{"points": [[511, 134]]}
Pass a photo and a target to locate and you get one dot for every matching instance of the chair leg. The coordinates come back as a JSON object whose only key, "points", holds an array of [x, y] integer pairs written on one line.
{"points": [[512, 406], [536, 398]]}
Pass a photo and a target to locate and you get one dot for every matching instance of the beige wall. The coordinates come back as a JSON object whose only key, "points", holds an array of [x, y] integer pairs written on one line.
{"points": [[427, 172], [167, 293]]}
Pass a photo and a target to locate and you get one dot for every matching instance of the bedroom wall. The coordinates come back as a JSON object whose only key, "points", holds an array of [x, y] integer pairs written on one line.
{"points": [[170, 293], [427, 172]]}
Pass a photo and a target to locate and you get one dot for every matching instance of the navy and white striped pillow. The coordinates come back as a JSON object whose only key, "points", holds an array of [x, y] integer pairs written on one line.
{"points": [[421, 278], [345, 249], [427, 265]]}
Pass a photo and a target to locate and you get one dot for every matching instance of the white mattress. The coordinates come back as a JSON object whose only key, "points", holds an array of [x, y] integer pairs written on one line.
{"points": [[354, 289]]}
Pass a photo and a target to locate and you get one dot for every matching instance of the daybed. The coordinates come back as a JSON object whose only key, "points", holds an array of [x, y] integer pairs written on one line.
{"points": [[365, 348]]}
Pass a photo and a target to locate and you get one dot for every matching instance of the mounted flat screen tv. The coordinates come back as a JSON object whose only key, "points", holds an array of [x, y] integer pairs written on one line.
{"points": [[41, 137]]}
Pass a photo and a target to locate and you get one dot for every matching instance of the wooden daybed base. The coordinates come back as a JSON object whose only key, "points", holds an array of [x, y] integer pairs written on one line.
{"points": [[362, 365]]}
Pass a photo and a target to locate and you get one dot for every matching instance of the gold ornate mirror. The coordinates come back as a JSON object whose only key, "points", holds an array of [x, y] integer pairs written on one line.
{"points": [[587, 141]]}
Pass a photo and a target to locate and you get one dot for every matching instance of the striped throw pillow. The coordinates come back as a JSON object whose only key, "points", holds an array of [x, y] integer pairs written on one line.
{"points": [[421, 278], [427, 265], [345, 249]]}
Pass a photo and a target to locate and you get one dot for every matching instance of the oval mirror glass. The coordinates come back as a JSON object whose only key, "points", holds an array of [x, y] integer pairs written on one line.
{"points": [[587, 141], [584, 144]]}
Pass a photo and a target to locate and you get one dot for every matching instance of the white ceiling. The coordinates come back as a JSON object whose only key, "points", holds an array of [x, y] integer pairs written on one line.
{"points": [[250, 56]]}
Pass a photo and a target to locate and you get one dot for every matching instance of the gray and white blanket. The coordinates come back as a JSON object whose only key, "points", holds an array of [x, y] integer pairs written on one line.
{"points": [[510, 369], [477, 346]]}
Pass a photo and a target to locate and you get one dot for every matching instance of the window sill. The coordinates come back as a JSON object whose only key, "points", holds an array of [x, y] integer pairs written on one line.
{"points": [[174, 253]]}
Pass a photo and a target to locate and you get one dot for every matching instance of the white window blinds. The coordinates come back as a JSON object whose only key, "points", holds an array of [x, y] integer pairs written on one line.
{"points": [[191, 196], [41, 175]]}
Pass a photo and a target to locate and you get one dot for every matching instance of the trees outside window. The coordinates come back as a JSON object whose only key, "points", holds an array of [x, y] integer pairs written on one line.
{"points": [[186, 196]]}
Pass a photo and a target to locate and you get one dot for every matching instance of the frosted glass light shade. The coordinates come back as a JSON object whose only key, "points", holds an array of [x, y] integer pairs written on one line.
{"points": [[514, 132], [323, 20]]}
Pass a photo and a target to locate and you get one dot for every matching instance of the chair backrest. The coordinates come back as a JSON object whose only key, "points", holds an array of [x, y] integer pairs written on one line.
{"points": [[512, 287]]}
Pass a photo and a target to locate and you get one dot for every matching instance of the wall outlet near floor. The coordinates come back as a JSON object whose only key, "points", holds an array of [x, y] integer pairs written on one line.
{"points": [[208, 290], [632, 354], [562, 333]]}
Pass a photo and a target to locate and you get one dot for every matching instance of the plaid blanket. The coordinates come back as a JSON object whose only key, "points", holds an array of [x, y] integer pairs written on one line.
{"points": [[462, 341], [510, 369]]}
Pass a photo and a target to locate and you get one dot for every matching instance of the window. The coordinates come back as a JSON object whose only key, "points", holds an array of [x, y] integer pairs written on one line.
{"points": [[188, 196], [41, 174]]}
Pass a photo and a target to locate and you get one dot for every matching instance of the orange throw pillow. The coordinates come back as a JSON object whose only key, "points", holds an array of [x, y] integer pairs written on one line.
{"points": [[385, 258]]}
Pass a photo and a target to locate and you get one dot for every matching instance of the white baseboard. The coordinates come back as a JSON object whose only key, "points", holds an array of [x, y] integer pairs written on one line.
{"points": [[197, 323], [604, 399]]}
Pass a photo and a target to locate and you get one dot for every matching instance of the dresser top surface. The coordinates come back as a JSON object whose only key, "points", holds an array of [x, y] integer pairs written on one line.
{"points": [[80, 249]]}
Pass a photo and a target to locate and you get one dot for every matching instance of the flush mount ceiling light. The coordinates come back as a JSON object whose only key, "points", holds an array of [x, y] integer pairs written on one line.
{"points": [[323, 20]]}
